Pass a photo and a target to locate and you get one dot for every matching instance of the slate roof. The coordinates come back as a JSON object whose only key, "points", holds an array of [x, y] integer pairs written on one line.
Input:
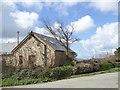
{"points": [[7, 47], [52, 42]]}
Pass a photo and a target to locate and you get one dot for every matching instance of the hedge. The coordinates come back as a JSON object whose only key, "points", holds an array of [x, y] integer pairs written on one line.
{"points": [[58, 72]]}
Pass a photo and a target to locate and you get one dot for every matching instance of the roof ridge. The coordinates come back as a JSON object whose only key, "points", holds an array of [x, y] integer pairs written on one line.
{"points": [[43, 35]]}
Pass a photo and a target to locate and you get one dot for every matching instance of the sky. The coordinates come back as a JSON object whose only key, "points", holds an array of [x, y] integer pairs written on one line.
{"points": [[95, 22]]}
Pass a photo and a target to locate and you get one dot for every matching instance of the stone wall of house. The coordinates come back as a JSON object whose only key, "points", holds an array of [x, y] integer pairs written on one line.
{"points": [[6, 59], [60, 58], [34, 53], [72, 55]]}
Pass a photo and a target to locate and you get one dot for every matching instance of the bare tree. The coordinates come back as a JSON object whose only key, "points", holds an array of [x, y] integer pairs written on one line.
{"points": [[62, 34]]}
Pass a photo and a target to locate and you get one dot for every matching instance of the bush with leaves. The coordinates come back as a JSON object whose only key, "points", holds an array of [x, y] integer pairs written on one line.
{"points": [[105, 66], [7, 71], [95, 65], [58, 72], [117, 52], [115, 64], [83, 67]]}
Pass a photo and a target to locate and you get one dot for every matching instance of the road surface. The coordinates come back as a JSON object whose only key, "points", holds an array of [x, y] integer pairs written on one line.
{"points": [[109, 80]]}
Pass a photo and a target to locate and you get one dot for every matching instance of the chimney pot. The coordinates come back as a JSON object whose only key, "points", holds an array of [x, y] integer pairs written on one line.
{"points": [[18, 37]]}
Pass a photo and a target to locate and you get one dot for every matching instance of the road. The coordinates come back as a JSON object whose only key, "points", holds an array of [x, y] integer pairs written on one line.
{"points": [[109, 80]]}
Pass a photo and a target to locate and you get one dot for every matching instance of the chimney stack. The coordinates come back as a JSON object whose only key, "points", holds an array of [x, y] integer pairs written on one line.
{"points": [[18, 37]]}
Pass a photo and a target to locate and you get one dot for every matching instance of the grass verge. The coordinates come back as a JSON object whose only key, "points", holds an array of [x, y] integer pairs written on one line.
{"points": [[0, 82], [12, 82]]}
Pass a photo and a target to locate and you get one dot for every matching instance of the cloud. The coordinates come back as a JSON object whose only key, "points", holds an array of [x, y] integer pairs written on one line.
{"points": [[35, 5], [61, 7], [14, 20], [105, 6], [24, 20], [9, 40], [9, 4], [42, 31], [8, 24], [105, 39], [83, 24]]}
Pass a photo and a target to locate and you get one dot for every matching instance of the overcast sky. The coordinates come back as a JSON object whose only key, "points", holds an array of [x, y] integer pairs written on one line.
{"points": [[95, 22]]}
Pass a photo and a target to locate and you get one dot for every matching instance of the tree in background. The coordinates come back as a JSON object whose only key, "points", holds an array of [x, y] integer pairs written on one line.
{"points": [[117, 52], [61, 33]]}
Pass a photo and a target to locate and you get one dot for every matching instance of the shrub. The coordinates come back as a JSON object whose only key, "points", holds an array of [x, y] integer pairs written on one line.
{"points": [[58, 73], [83, 67], [25, 73], [46, 75], [7, 71], [6, 82], [105, 66], [117, 52], [73, 63], [116, 64], [95, 65]]}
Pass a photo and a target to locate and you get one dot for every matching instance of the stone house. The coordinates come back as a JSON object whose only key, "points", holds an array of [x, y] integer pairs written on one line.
{"points": [[36, 50]]}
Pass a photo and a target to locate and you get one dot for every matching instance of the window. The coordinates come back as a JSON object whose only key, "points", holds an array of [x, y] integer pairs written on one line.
{"points": [[52, 42], [32, 59], [20, 60]]}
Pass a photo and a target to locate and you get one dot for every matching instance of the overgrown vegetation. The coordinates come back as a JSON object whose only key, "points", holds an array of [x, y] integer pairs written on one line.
{"points": [[27, 76], [13, 76], [117, 53], [83, 67], [95, 73]]}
